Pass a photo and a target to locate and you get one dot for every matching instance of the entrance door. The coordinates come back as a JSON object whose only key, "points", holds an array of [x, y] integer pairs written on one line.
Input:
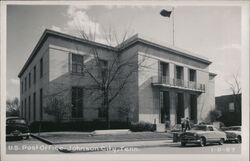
{"points": [[180, 107], [193, 108], [164, 106]]}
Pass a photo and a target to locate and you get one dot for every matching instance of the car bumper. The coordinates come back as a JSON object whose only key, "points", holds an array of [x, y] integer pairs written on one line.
{"points": [[190, 140], [18, 135], [232, 139]]}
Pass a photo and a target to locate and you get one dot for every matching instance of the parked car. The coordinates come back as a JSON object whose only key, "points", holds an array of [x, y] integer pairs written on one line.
{"points": [[202, 135], [17, 127], [233, 133]]}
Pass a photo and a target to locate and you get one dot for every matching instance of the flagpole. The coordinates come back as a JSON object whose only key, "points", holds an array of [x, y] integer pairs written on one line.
{"points": [[173, 25], [166, 13]]}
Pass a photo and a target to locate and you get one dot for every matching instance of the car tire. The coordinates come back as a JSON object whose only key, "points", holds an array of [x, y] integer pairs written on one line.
{"points": [[221, 142], [183, 144], [202, 141], [238, 139]]}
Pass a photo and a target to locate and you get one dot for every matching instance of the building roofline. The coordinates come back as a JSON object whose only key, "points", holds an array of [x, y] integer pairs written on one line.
{"points": [[212, 74], [127, 43], [48, 32], [145, 40], [227, 95]]}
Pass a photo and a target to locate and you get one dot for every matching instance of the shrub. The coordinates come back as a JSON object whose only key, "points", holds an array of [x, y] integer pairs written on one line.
{"points": [[142, 126], [214, 115]]}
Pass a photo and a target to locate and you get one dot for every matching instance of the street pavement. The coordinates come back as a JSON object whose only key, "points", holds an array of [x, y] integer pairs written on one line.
{"points": [[175, 148], [34, 146]]}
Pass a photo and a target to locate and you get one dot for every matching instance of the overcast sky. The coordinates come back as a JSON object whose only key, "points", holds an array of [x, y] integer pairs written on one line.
{"points": [[213, 32]]}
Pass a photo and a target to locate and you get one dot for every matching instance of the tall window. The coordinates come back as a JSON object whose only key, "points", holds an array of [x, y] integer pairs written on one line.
{"points": [[192, 75], [22, 108], [164, 72], [34, 106], [29, 79], [22, 87], [77, 63], [41, 67], [104, 68], [29, 107], [34, 75], [77, 102], [164, 69], [25, 109], [41, 104], [179, 72], [25, 84]]}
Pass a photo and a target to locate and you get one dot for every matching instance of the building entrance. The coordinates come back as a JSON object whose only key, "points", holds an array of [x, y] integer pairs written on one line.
{"points": [[180, 107], [193, 108], [164, 106]]}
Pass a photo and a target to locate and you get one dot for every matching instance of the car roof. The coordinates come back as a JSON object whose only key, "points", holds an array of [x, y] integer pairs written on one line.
{"points": [[234, 126], [205, 125], [13, 117]]}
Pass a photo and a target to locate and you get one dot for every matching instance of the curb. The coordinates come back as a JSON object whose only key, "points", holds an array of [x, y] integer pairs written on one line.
{"points": [[97, 141], [42, 139], [108, 141]]}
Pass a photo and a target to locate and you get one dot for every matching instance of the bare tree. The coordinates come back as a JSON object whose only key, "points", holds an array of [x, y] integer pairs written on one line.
{"points": [[234, 85], [115, 74], [235, 88], [109, 77], [57, 107], [12, 107]]}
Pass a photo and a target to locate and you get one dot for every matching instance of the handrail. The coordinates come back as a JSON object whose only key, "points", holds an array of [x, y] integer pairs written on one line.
{"points": [[178, 82]]}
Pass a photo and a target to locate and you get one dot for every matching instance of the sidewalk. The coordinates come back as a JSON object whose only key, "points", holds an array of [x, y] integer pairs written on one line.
{"points": [[111, 146], [55, 138]]}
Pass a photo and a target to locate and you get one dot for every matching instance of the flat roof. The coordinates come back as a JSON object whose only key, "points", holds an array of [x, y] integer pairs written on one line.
{"points": [[159, 44], [127, 43], [47, 33]]}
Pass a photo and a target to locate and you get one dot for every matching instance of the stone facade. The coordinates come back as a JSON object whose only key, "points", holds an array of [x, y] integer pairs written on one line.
{"points": [[168, 84]]}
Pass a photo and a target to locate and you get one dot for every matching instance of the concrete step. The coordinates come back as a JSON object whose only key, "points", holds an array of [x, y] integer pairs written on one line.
{"points": [[109, 132]]}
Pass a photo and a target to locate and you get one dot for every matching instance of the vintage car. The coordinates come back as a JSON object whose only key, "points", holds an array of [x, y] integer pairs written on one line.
{"points": [[203, 134], [17, 127], [233, 133]]}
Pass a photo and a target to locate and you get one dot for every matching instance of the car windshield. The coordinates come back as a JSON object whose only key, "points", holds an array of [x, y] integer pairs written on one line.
{"points": [[16, 121], [203, 128]]}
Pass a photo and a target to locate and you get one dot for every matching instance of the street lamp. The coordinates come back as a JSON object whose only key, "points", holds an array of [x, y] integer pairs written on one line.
{"points": [[166, 13]]}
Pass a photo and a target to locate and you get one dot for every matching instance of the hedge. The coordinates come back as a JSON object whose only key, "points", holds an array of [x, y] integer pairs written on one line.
{"points": [[48, 126], [142, 126]]}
